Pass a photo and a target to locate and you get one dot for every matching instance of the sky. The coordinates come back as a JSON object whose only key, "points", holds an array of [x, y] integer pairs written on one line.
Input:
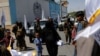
{"points": [[76, 5]]}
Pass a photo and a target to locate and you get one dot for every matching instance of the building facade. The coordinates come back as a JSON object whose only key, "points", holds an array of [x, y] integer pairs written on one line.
{"points": [[16, 9], [31, 8]]}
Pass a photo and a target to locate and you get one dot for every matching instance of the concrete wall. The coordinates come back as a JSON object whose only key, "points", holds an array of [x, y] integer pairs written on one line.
{"points": [[26, 7], [4, 4], [2, 1]]}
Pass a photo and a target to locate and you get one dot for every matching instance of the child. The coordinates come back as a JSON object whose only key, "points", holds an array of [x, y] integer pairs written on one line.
{"points": [[38, 42]]}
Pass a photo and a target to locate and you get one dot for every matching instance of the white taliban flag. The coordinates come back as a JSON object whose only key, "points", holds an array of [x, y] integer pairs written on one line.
{"points": [[25, 25], [25, 22], [93, 17], [3, 19], [58, 19], [88, 31], [43, 17], [92, 9]]}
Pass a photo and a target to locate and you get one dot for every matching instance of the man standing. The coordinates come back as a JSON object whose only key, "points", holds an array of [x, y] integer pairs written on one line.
{"points": [[67, 31], [20, 36], [81, 21]]}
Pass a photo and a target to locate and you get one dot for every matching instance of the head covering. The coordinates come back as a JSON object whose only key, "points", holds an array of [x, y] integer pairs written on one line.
{"points": [[79, 13]]}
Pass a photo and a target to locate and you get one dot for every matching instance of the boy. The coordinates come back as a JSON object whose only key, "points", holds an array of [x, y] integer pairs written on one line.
{"points": [[38, 42]]}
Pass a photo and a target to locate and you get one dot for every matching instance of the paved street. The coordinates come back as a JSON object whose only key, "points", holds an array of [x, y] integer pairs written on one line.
{"points": [[65, 50]]}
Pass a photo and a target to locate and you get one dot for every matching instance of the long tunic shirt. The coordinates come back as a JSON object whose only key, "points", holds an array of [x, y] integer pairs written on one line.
{"points": [[38, 42]]}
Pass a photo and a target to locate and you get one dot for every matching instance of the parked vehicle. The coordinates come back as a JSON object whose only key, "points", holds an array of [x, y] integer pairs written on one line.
{"points": [[61, 25], [42, 24]]}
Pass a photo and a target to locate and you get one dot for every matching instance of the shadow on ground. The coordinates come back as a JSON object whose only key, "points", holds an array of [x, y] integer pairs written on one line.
{"points": [[29, 49]]}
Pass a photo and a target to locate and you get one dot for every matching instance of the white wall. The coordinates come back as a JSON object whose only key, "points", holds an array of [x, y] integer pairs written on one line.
{"points": [[4, 4], [26, 7]]}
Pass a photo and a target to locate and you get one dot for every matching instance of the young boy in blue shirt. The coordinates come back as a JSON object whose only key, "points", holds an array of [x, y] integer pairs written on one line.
{"points": [[38, 42]]}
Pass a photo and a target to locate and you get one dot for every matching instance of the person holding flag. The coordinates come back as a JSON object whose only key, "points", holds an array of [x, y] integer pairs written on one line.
{"points": [[80, 26], [20, 36], [87, 40]]}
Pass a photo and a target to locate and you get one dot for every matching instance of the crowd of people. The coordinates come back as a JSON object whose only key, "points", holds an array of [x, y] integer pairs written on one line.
{"points": [[47, 35], [83, 46]]}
